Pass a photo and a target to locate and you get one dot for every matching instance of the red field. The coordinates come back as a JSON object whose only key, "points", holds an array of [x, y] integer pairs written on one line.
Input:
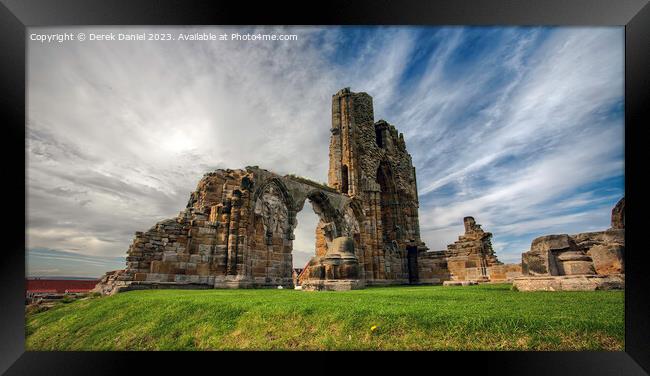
{"points": [[59, 285]]}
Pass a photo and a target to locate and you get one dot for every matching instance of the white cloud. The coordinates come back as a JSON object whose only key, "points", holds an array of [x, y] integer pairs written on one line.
{"points": [[552, 121]]}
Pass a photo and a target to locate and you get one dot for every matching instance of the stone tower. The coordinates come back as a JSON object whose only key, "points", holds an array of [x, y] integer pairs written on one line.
{"points": [[352, 114], [370, 164]]}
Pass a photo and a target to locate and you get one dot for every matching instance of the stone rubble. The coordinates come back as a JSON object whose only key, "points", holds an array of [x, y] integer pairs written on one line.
{"points": [[584, 261], [471, 258]]}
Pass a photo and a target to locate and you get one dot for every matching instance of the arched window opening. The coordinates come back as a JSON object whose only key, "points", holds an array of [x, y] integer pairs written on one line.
{"points": [[378, 138], [389, 203], [304, 243], [344, 180]]}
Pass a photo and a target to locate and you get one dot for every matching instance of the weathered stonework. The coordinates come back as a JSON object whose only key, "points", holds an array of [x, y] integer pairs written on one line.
{"points": [[470, 258], [618, 215], [368, 162], [237, 230], [587, 282], [471, 255], [594, 260]]}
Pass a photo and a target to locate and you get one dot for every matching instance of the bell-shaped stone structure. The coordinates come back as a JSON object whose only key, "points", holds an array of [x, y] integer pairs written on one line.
{"points": [[338, 269]]}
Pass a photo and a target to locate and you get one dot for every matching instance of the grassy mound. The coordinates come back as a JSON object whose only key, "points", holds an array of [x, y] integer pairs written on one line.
{"points": [[484, 317]]}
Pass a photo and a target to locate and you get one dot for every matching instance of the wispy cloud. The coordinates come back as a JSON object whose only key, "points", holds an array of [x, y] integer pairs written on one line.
{"points": [[556, 129]]}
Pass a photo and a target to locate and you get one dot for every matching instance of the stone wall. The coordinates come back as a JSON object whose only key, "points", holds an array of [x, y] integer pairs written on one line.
{"points": [[237, 231], [472, 254], [504, 272]]}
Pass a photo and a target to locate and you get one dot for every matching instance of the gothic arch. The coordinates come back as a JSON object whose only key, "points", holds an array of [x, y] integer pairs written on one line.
{"points": [[281, 186], [345, 176], [389, 203], [324, 209]]}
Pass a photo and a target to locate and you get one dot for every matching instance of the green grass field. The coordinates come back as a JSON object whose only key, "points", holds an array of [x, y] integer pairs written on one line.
{"points": [[484, 317]]}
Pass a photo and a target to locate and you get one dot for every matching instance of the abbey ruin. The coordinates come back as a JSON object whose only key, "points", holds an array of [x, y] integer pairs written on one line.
{"points": [[237, 229]]}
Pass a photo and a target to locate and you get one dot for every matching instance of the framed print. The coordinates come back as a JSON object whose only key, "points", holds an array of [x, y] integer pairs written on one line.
{"points": [[448, 181]]}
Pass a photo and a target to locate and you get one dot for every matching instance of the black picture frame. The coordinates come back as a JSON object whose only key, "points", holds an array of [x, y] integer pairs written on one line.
{"points": [[16, 15]]}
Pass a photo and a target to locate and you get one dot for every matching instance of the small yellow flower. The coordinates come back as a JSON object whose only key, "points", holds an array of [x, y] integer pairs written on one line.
{"points": [[373, 328]]}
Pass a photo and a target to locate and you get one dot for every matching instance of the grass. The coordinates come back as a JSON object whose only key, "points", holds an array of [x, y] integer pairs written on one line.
{"points": [[484, 317]]}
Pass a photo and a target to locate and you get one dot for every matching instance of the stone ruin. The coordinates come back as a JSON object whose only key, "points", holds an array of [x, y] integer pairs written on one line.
{"points": [[470, 259], [237, 228], [585, 261]]}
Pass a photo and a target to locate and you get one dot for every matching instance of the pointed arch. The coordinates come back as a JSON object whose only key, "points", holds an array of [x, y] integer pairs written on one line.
{"points": [[389, 203], [345, 178]]}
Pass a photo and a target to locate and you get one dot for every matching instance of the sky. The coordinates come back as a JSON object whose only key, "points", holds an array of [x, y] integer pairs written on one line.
{"points": [[519, 127]]}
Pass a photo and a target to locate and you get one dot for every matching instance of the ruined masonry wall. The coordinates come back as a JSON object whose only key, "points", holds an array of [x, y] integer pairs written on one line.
{"points": [[470, 258], [237, 231], [237, 228]]}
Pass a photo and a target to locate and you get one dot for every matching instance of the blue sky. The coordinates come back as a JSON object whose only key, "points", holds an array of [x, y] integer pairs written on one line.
{"points": [[520, 127]]}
